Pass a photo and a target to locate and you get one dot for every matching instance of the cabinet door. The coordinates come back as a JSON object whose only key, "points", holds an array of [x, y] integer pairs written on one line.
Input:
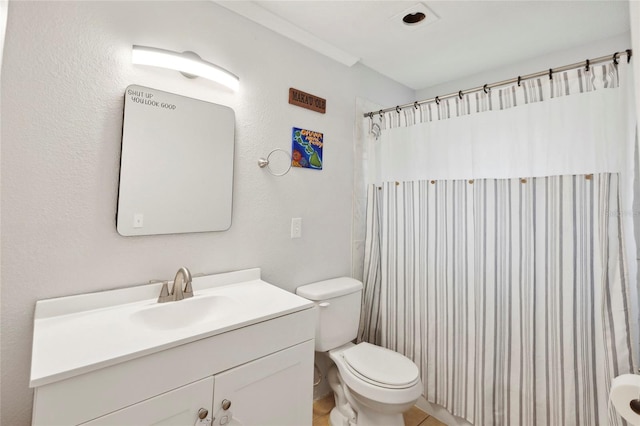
{"points": [[276, 390], [176, 408]]}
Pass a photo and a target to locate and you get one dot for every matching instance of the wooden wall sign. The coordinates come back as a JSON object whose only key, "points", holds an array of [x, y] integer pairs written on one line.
{"points": [[307, 100]]}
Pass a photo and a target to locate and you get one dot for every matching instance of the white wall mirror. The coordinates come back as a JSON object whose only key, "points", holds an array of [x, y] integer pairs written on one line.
{"points": [[176, 166]]}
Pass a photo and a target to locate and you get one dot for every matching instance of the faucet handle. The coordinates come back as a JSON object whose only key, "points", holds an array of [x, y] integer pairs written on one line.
{"points": [[164, 293], [188, 289]]}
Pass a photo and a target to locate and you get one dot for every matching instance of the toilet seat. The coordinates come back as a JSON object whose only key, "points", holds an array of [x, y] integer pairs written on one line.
{"points": [[372, 387], [365, 360]]}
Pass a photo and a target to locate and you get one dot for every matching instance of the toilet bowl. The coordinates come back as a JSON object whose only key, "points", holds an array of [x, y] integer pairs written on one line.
{"points": [[381, 384], [372, 385]]}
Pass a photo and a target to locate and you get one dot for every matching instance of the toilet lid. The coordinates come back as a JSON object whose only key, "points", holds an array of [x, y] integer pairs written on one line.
{"points": [[381, 365]]}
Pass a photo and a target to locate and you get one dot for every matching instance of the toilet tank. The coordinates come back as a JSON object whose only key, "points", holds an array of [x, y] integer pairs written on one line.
{"points": [[338, 302]]}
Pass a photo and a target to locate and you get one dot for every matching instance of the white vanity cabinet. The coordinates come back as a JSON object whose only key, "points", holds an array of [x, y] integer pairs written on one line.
{"points": [[179, 407], [272, 390], [260, 361]]}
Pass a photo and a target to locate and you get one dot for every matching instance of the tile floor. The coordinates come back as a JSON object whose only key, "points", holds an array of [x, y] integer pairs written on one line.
{"points": [[413, 417]]}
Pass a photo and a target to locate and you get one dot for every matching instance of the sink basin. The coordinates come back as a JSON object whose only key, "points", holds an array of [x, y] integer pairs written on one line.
{"points": [[183, 313]]}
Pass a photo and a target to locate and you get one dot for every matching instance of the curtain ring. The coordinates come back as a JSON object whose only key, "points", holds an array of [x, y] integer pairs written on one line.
{"points": [[550, 73], [484, 88], [615, 58], [371, 115], [586, 68], [629, 52], [437, 100], [519, 80], [381, 113], [415, 104], [398, 109], [460, 94]]}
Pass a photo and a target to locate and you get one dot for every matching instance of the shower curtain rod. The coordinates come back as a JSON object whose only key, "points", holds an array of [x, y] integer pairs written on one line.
{"points": [[587, 63]]}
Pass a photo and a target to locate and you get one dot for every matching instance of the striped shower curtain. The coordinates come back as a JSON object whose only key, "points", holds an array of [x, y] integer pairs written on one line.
{"points": [[499, 250], [511, 295]]}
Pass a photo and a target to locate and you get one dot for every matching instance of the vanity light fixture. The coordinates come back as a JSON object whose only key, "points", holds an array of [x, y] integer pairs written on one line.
{"points": [[188, 63]]}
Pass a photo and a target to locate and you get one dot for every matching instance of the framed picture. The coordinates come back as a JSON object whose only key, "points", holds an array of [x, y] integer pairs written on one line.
{"points": [[306, 149]]}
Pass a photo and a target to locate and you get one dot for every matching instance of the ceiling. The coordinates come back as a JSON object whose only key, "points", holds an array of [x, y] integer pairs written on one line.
{"points": [[458, 38]]}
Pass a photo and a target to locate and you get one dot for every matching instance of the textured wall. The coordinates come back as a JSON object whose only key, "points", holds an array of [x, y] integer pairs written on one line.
{"points": [[66, 66], [552, 60], [634, 15]]}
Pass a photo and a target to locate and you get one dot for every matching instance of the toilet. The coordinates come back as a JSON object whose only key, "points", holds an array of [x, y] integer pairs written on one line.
{"points": [[372, 385]]}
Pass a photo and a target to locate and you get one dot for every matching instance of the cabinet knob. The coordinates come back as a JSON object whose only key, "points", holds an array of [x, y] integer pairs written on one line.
{"points": [[226, 404], [203, 413]]}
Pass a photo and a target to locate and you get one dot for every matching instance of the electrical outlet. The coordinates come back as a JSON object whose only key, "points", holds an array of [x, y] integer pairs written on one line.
{"points": [[296, 227]]}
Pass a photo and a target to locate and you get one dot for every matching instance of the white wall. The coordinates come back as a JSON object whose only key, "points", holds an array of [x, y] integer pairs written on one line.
{"points": [[66, 66], [4, 6], [634, 16], [553, 60]]}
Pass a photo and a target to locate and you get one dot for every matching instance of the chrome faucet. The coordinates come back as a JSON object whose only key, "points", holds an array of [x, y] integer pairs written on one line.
{"points": [[183, 277]]}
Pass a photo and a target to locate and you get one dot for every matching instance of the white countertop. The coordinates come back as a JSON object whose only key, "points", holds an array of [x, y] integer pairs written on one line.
{"points": [[78, 334]]}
